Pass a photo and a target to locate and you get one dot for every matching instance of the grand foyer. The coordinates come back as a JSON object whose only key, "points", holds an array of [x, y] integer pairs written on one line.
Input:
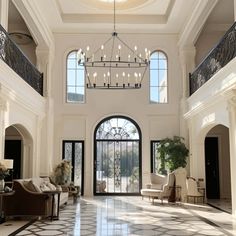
{"points": [[184, 31]]}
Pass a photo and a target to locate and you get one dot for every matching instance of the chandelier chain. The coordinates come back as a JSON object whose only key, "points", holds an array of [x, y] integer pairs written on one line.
{"points": [[114, 16]]}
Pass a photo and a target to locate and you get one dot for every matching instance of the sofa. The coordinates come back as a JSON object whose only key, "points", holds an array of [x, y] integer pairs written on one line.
{"points": [[30, 199]]}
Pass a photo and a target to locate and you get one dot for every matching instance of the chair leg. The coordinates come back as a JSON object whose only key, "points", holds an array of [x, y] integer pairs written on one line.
{"points": [[153, 200]]}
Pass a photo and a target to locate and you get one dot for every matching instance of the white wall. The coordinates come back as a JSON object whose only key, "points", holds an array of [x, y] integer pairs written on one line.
{"points": [[24, 108], [205, 43], [211, 105], [78, 121]]}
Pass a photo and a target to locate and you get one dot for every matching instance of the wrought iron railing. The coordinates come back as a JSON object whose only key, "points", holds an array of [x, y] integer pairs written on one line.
{"points": [[218, 57], [15, 58]]}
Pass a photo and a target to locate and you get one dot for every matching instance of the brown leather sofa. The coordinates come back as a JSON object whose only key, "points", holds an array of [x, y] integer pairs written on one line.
{"points": [[30, 200]]}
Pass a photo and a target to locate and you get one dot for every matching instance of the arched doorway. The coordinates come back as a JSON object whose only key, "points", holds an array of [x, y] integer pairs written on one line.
{"points": [[13, 150], [19, 147], [117, 157], [217, 167]]}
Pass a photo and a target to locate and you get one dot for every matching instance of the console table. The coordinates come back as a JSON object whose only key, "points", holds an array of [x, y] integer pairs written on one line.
{"points": [[52, 194], [4, 194]]}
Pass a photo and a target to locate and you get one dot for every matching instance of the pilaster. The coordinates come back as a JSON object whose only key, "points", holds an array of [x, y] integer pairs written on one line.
{"points": [[4, 8], [187, 61], [3, 110], [232, 136], [234, 10], [44, 63]]}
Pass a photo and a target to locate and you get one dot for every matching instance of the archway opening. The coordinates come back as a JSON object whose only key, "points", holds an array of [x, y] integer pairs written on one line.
{"points": [[19, 148], [217, 168], [117, 157]]}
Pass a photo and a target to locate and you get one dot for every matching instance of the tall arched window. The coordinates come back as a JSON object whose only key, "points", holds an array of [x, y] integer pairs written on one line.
{"points": [[75, 79], [158, 77]]}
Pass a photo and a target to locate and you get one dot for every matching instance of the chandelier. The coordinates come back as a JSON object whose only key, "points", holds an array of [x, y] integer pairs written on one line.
{"points": [[114, 65]]}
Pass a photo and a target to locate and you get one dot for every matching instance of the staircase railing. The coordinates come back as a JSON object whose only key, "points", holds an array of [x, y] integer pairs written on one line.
{"points": [[12, 55], [218, 57]]}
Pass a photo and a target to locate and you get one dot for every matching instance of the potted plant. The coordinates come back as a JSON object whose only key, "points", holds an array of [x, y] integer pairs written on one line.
{"points": [[172, 154]]}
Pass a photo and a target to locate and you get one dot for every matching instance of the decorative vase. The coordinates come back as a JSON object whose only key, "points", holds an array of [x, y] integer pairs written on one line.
{"points": [[2, 185]]}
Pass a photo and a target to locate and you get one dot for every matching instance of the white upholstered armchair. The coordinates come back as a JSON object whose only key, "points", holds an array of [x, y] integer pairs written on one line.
{"points": [[192, 191], [162, 193], [157, 181]]}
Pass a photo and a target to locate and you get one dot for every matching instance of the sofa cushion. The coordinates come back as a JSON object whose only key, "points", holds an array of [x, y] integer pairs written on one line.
{"points": [[51, 186], [30, 185], [156, 186], [44, 187]]}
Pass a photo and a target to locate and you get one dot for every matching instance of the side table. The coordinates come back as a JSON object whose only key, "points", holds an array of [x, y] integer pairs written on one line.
{"points": [[74, 191], [4, 194], [52, 194]]}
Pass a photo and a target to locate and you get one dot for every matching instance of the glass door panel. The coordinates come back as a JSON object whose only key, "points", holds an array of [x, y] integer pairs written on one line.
{"points": [[73, 151]]}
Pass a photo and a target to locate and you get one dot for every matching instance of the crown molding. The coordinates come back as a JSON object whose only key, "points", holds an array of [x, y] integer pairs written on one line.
{"points": [[36, 23], [196, 22]]}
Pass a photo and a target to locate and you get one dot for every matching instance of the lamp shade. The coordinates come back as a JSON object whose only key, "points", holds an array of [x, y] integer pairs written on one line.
{"points": [[8, 163]]}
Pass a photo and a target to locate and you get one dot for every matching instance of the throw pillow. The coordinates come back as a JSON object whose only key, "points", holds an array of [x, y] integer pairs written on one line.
{"points": [[32, 187], [51, 186]]}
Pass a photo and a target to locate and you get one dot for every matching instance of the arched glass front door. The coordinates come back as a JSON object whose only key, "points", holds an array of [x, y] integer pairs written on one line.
{"points": [[117, 162]]}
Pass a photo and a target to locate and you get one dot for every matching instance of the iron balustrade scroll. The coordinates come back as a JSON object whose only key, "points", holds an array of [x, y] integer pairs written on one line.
{"points": [[11, 54], [218, 57]]}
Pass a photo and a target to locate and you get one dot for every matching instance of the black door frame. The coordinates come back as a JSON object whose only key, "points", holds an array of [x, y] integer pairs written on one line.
{"points": [[73, 160], [95, 155]]}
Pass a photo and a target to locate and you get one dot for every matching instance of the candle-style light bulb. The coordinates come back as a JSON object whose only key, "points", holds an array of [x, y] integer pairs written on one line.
{"points": [[104, 78], [117, 79], [108, 78], [135, 52], [136, 77], [123, 74], [119, 48]]}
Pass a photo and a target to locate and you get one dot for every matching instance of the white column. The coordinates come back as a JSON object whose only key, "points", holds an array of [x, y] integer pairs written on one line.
{"points": [[3, 109], [232, 136], [44, 64], [187, 61], [234, 10], [4, 8]]}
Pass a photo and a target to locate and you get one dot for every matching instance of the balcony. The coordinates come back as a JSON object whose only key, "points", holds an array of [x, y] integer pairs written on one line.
{"points": [[218, 57], [15, 59]]}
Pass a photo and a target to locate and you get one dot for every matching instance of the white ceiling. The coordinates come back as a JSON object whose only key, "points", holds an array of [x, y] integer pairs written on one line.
{"points": [[152, 16], [164, 16]]}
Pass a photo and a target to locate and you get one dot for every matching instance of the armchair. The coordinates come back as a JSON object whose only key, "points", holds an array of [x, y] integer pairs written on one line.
{"points": [[192, 191], [162, 193], [156, 181]]}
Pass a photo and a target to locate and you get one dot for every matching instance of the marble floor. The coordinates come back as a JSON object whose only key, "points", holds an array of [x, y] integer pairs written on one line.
{"points": [[223, 204], [130, 216]]}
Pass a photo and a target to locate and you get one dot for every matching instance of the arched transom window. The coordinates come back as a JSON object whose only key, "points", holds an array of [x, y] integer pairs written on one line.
{"points": [[158, 77], [75, 85]]}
